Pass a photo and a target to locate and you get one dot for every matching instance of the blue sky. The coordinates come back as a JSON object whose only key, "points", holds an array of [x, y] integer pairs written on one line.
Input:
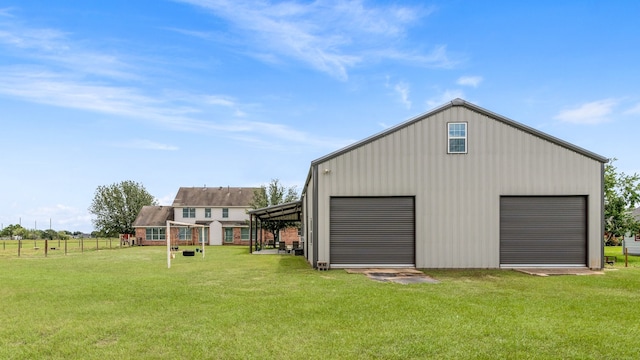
{"points": [[217, 93]]}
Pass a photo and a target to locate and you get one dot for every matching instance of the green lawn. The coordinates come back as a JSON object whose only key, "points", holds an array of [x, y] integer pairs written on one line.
{"points": [[36, 248], [125, 303]]}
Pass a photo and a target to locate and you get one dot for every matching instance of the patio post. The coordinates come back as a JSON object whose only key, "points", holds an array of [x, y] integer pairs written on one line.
{"points": [[250, 233]]}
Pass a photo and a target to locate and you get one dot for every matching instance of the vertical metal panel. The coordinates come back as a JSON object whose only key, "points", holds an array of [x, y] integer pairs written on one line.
{"points": [[457, 197], [372, 231], [543, 230]]}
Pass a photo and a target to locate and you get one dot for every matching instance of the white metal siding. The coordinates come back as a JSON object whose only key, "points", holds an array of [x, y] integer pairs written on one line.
{"points": [[458, 195]]}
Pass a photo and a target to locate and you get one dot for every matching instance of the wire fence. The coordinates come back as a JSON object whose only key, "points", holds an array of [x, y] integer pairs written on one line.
{"points": [[46, 248]]}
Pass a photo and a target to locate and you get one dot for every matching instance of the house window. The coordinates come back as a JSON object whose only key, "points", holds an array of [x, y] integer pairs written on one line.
{"points": [[184, 233], [188, 212], [244, 233], [457, 136], [207, 212], [156, 234], [228, 235], [205, 235], [225, 212]]}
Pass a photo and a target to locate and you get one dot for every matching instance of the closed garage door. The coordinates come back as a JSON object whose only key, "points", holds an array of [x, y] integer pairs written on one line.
{"points": [[372, 231], [543, 230]]}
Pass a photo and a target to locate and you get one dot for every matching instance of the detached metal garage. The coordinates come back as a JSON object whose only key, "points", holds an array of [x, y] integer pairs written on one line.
{"points": [[372, 231], [457, 187], [539, 230]]}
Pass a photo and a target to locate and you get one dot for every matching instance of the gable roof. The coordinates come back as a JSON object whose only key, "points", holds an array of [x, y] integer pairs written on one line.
{"points": [[210, 196], [472, 107], [153, 216]]}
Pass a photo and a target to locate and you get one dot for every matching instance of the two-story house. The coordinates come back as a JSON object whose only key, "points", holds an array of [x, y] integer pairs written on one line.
{"points": [[222, 210]]}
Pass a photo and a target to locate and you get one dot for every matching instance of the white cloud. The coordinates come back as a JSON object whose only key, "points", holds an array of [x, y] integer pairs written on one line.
{"points": [[6, 12], [595, 112], [55, 48], [146, 145], [444, 97], [198, 34], [166, 200], [62, 217], [71, 77], [472, 81], [633, 111], [402, 89], [329, 36]]}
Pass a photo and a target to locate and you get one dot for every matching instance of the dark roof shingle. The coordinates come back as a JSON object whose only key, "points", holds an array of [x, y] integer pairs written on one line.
{"points": [[153, 216], [213, 196]]}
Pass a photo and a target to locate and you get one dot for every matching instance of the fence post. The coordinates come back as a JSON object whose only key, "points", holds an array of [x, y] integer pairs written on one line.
{"points": [[19, 246], [46, 247], [626, 257], [65, 246], [81, 245]]}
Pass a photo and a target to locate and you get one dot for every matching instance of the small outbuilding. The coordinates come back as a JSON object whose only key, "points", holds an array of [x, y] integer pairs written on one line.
{"points": [[632, 241], [457, 187]]}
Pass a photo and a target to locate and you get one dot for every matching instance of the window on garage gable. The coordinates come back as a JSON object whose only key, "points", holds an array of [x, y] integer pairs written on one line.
{"points": [[457, 138]]}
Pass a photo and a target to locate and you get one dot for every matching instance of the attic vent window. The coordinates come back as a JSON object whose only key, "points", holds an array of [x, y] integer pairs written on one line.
{"points": [[457, 138]]}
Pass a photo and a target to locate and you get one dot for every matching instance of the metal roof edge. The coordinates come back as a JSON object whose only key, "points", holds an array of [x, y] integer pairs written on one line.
{"points": [[306, 183], [382, 133], [535, 132], [291, 203]]}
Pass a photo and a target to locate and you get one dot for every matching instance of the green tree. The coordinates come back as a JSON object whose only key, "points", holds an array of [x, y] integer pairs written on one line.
{"points": [[274, 194], [621, 196], [14, 230], [116, 207]]}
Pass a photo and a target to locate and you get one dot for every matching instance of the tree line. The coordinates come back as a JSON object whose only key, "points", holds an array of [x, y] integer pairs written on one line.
{"points": [[116, 206], [17, 231]]}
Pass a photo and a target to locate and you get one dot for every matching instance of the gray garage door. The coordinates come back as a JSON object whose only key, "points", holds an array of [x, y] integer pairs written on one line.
{"points": [[543, 230], [372, 231]]}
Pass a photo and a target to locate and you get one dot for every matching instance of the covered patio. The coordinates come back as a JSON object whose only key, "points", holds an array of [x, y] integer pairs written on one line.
{"points": [[287, 212]]}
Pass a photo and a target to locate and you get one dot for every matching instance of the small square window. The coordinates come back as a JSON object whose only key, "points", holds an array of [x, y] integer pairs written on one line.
{"points": [[457, 138]]}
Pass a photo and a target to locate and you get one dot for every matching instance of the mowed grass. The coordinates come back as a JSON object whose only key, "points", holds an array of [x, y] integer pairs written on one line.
{"points": [[40, 248], [125, 304]]}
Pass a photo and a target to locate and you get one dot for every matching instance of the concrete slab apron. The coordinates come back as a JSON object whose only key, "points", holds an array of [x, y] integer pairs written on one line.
{"points": [[558, 271], [400, 276]]}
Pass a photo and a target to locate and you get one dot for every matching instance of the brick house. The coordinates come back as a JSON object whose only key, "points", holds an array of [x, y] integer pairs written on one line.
{"points": [[222, 210]]}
